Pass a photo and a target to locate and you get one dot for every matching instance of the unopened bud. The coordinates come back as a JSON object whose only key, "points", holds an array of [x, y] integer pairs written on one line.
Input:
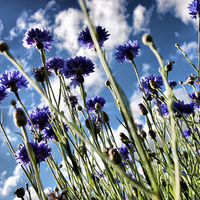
{"points": [[142, 109], [106, 117], [80, 108], [19, 192], [152, 134], [13, 103], [107, 83], [97, 106], [124, 138], [115, 156], [19, 117], [146, 39], [3, 47], [56, 189], [143, 134], [168, 67], [181, 82]]}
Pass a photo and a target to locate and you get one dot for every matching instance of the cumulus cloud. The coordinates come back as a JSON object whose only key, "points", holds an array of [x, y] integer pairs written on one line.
{"points": [[103, 12], [67, 28], [178, 7], [41, 18], [11, 181], [141, 19], [1, 26], [190, 49]]}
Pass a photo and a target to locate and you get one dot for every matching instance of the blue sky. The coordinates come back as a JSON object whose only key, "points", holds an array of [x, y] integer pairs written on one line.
{"points": [[167, 21]]}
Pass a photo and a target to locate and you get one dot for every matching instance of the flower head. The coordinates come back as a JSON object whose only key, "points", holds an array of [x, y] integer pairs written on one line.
{"points": [[92, 101], [48, 131], [186, 133], [76, 68], [41, 151], [195, 99], [13, 80], [194, 8], [85, 38], [172, 84], [124, 151], [73, 99], [3, 93], [128, 51], [180, 106], [55, 63], [40, 38], [39, 74], [39, 117], [147, 86]]}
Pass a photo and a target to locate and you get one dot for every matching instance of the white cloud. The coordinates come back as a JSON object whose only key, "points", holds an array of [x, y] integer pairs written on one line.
{"points": [[39, 19], [67, 28], [110, 15], [11, 181], [178, 7], [141, 19], [145, 68], [190, 49]]}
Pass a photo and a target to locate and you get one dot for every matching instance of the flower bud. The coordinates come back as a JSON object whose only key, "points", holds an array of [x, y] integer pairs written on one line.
{"points": [[13, 103], [181, 82], [3, 47], [19, 192], [60, 166], [114, 156], [142, 109], [107, 83], [146, 39], [80, 108], [106, 117], [168, 67], [56, 189], [143, 134], [19, 117], [97, 106], [185, 155], [124, 138], [152, 134]]}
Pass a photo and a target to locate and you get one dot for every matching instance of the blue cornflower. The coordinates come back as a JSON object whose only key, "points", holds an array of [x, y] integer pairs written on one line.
{"points": [[180, 106], [194, 8], [90, 103], [73, 99], [3, 93], [40, 38], [55, 63], [124, 151], [76, 68], [186, 133], [146, 84], [195, 99], [48, 131], [85, 38], [172, 84], [39, 117], [41, 151], [13, 80], [128, 51]]}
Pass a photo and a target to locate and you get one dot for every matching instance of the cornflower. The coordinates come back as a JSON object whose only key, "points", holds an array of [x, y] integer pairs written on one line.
{"points": [[90, 103], [40, 38], [147, 86], [76, 68], [194, 8], [41, 151], [3, 93], [39, 117], [14, 80], [128, 51], [55, 63], [85, 38]]}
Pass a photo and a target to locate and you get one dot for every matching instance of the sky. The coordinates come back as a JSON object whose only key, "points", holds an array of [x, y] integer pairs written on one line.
{"points": [[167, 21]]}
